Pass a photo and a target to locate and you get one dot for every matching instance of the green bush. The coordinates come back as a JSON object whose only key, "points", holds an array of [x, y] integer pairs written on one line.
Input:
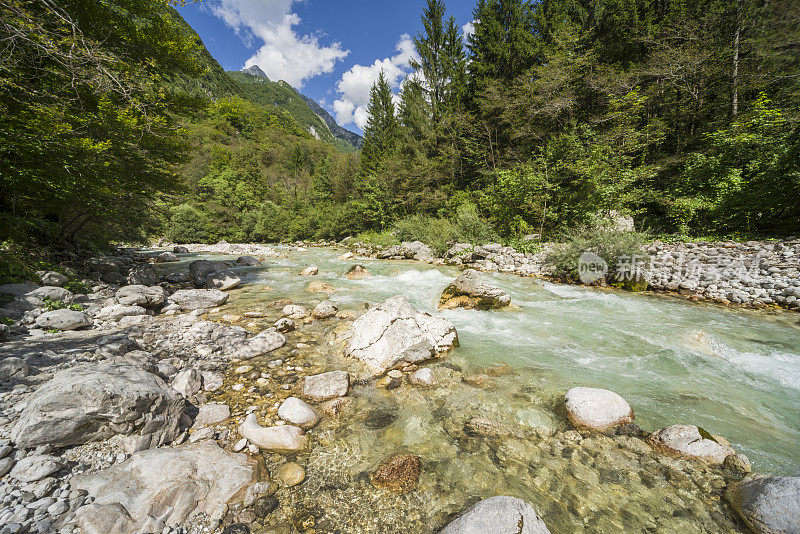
{"points": [[616, 247], [471, 228], [438, 234], [188, 225], [380, 239]]}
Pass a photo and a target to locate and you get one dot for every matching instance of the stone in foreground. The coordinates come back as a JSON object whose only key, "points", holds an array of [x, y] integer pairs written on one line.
{"points": [[596, 409], [281, 439], [394, 332], [498, 515], [198, 299], [469, 291], [91, 402], [769, 505], [687, 440], [36, 467], [298, 413], [146, 297], [167, 484], [63, 320], [326, 386]]}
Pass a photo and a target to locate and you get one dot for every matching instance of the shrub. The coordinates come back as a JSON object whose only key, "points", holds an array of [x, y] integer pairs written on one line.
{"points": [[436, 233], [380, 239], [471, 228], [188, 225], [616, 247]]}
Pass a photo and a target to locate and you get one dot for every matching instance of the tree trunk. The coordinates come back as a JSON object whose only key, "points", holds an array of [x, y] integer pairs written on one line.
{"points": [[735, 73]]}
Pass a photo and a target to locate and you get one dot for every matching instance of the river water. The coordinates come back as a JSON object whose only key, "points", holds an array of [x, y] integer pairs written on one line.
{"points": [[736, 373]]}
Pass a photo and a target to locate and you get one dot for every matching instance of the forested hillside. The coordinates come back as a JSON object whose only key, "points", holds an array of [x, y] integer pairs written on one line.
{"points": [[116, 123]]}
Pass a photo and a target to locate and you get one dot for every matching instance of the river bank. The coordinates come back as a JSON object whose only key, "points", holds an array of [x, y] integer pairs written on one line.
{"points": [[480, 426]]}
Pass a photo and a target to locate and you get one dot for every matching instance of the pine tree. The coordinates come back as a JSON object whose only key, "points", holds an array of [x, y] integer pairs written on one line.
{"points": [[381, 131]]}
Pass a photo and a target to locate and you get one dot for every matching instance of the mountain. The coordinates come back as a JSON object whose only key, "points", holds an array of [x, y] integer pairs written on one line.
{"points": [[256, 86], [338, 132]]}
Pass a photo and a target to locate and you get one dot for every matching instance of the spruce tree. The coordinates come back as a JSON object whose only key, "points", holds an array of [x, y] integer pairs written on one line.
{"points": [[381, 131]]}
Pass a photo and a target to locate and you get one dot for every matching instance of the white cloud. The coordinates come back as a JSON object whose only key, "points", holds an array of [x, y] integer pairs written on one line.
{"points": [[354, 87], [284, 55], [468, 29]]}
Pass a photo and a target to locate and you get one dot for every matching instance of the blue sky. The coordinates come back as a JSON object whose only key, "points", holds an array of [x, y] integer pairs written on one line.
{"points": [[332, 50]]}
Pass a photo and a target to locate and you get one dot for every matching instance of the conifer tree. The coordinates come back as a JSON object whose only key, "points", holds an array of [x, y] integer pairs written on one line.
{"points": [[381, 130]]}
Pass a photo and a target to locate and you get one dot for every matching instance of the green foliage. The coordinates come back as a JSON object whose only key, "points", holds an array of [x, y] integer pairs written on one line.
{"points": [[379, 239], [618, 248], [189, 225], [51, 304]]}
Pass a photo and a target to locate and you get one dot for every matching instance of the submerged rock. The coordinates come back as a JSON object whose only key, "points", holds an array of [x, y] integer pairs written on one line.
{"points": [[63, 320], [263, 343], [168, 485], [498, 515], [290, 474], [769, 505], [310, 271], [281, 439], [326, 386], [596, 409], [469, 291], [691, 441], [324, 310], [357, 272], [320, 287], [91, 402], [295, 311], [394, 332], [398, 474]]}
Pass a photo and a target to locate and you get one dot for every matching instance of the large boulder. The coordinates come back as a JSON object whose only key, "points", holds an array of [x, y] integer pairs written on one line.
{"points": [[769, 505], [200, 269], [180, 249], [224, 280], [469, 291], [63, 320], [147, 297], [597, 409], [394, 332], [91, 402], [167, 257], [498, 515], [143, 275], [198, 299], [692, 442], [39, 295], [166, 486]]}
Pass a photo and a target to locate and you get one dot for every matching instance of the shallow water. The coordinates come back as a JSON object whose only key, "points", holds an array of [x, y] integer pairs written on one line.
{"points": [[735, 373]]}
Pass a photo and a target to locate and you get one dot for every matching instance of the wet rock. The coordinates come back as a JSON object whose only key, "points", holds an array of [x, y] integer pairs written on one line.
{"points": [[380, 418], [143, 275], [469, 291], [422, 377], [263, 343], [313, 270], [172, 484], [52, 278], [409, 250], [92, 402], [36, 467], [768, 505], [13, 369], [498, 515], [281, 439], [298, 412], [198, 299], [334, 407], [394, 332], [346, 256], [294, 311], [290, 475], [63, 320], [320, 287], [399, 474], [690, 441], [596, 409], [324, 310], [167, 257], [284, 325], [188, 382], [224, 280], [737, 464], [200, 270], [211, 414], [357, 272], [146, 297], [248, 261], [482, 426], [326, 386], [180, 250]]}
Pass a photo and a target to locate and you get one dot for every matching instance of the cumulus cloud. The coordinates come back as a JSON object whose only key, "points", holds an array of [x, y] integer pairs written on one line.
{"points": [[468, 29], [355, 84], [283, 54]]}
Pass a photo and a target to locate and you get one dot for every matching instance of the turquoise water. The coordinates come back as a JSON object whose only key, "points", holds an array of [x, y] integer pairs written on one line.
{"points": [[735, 373]]}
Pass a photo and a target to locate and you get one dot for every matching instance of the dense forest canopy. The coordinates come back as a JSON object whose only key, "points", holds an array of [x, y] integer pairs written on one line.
{"points": [[116, 123]]}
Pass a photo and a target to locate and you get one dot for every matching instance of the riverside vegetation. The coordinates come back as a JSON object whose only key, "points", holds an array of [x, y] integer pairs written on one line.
{"points": [[366, 383]]}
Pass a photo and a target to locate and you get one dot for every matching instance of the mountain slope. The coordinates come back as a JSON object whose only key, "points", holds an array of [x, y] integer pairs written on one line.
{"points": [[257, 87]]}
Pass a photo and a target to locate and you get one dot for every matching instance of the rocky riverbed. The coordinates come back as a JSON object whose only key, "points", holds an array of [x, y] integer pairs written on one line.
{"points": [[209, 397]]}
